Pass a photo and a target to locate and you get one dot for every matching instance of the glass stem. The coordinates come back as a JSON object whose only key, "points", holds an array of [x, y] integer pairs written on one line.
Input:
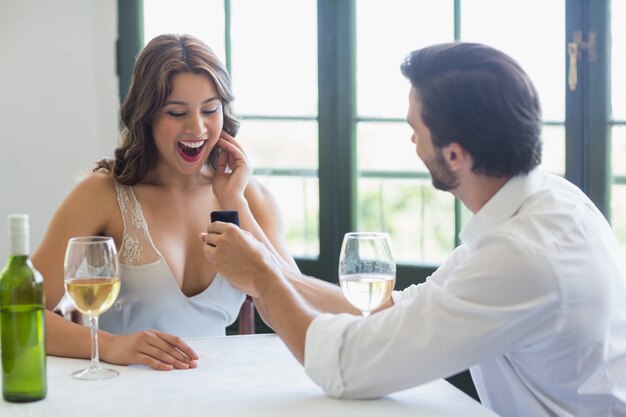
{"points": [[95, 356]]}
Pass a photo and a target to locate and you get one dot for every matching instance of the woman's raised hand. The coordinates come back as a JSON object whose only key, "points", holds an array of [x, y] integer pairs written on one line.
{"points": [[228, 185], [160, 351]]}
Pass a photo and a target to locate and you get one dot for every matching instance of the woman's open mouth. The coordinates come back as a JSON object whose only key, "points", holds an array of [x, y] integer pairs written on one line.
{"points": [[191, 150]]}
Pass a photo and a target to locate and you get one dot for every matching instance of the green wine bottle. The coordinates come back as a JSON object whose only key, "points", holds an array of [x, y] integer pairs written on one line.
{"points": [[22, 324]]}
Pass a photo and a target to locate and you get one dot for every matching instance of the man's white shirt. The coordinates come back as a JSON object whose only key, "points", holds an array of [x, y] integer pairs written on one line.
{"points": [[533, 302]]}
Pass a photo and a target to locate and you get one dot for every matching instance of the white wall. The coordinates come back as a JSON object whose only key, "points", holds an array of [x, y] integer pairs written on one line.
{"points": [[58, 102]]}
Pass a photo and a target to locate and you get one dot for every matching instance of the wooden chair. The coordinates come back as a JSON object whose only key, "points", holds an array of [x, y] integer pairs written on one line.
{"points": [[246, 317], [66, 309]]}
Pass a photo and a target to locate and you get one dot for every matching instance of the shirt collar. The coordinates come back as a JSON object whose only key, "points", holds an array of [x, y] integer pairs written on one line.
{"points": [[503, 205]]}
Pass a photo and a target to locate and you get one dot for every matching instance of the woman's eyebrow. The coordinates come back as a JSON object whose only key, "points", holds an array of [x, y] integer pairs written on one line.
{"points": [[183, 103]]}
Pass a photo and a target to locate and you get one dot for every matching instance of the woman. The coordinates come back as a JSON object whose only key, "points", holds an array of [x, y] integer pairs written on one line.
{"points": [[177, 162]]}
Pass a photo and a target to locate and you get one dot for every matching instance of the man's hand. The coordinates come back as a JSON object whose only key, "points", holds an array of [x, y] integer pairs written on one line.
{"points": [[239, 257], [249, 266]]}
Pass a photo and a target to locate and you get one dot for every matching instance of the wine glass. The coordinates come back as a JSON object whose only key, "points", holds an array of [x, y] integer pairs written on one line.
{"points": [[367, 271], [92, 281]]}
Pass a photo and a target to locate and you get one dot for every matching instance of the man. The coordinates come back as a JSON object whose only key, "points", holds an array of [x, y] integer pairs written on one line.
{"points": [[533, 301]]}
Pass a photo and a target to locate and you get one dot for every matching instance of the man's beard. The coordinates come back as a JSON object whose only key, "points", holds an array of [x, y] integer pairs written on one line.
{"points": [[443, 177]]}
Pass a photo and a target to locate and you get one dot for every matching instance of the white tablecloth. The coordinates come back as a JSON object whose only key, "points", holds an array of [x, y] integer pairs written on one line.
{"points": [[236, 376]]}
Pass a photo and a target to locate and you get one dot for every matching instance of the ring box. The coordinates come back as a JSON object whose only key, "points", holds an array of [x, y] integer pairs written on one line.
{"points": [[226, 216]]}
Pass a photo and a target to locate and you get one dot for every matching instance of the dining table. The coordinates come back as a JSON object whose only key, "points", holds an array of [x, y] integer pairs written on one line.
{"points": [[251, 375]]}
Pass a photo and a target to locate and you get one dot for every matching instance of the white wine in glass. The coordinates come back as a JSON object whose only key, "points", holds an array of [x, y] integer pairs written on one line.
{"points": [[92, 281], [367, 271]]}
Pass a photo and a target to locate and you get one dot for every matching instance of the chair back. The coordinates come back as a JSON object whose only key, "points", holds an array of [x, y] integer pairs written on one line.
{"points": [[246, 317]]}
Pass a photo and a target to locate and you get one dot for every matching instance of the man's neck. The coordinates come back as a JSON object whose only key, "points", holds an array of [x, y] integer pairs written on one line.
{"points": [[475, 190]]}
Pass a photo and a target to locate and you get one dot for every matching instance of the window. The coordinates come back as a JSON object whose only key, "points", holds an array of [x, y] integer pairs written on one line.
{"points": [[274, 73], [394, 193], [323, 106]]}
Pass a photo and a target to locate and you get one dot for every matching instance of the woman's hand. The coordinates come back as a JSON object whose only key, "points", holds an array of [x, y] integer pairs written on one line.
{"points": [[229, 185], [151, 348]]}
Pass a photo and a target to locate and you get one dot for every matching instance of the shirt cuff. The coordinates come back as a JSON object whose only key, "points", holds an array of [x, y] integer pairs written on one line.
{"points": [[397, 296], [409, 293], [322, 350]]}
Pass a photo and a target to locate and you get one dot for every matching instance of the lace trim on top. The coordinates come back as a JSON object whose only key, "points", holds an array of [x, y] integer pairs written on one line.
{"points": [[136, 235]]}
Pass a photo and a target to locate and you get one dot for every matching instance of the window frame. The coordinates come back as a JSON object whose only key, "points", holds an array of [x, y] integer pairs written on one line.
{"points": [[587, 119]]}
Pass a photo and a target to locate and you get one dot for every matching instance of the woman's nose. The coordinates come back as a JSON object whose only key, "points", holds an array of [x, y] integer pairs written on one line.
{"points": [[195, 125]]}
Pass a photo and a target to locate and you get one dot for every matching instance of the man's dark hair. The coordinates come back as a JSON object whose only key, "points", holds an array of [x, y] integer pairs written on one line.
{"points": [[483, 100]]}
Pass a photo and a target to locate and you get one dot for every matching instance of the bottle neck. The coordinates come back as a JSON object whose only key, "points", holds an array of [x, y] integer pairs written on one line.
{"points": [[19, 244], [18, 260]]}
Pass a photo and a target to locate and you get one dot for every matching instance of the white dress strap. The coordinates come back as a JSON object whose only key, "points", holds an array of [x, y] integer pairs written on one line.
{"points": [[137, 247]]}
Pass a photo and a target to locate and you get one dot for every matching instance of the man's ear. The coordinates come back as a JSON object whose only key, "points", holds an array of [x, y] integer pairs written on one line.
{"points": [[455, 155]]}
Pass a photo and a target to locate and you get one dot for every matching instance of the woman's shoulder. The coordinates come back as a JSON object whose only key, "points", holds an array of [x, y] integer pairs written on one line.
{"points": [[89, 208], [96, 183], [94, 189], [263, 205], [258, 195]]}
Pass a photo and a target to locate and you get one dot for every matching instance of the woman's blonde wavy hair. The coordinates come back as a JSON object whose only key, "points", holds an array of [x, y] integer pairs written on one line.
{"points": [[160, 60]]}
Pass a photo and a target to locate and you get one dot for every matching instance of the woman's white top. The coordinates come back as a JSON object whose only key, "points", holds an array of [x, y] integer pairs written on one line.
{"points": [[150, 297]]}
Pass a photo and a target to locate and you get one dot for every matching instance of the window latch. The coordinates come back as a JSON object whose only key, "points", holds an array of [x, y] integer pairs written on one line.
{"points": [[574, 51]]}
